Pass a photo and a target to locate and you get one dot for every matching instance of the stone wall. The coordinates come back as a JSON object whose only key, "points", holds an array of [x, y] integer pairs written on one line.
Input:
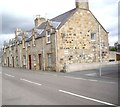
{"points": [[75, 44]]}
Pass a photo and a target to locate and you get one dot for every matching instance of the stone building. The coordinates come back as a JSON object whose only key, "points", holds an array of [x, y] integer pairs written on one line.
{"points": [[75, 36]]}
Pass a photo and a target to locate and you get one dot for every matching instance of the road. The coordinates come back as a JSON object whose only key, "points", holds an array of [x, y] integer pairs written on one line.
{"points": [[25, 87]]}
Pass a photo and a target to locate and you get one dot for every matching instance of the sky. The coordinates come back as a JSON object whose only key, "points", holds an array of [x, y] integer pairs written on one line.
{"points": [[21, 14]]}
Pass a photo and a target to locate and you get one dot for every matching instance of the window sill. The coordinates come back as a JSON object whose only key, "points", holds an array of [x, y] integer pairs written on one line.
{"points": [[48, 43], [93, 40], [34, 45]]}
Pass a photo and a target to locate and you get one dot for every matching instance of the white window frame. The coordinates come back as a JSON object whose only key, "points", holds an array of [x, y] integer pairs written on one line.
{"points": [[34, 40], [5, 61], [49, 59], [93, 36], [24, 60], [10, 60], [28, 44], [4, 50], [23, 44], [48, 38]]}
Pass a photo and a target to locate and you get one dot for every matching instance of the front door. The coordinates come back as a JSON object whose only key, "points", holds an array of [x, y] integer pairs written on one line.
{"points": [[29, 61], [8, 61], [13, 61], [39, 61]]}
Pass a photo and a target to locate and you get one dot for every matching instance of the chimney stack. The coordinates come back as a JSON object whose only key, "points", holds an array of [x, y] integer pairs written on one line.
{"points": [[39, 20], [18, 31], [82, 4]]}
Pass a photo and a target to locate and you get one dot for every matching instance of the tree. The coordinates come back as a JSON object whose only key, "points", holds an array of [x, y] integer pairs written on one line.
{"points": [[112, 49]]}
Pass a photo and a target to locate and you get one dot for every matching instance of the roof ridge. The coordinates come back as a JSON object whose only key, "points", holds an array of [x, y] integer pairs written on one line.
{"points": [[63, 13]]}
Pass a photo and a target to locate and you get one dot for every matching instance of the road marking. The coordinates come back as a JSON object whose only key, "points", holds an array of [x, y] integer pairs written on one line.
{"points": [[74, 78], [0, 72], [93, 80], [30, 81], [89, 80], [88, 98], [109, 82], [9, 75], [49, 74], [92, 74]]}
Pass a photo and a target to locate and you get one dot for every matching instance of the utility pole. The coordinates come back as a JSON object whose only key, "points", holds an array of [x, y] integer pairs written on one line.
{"points": [[100, 48]]}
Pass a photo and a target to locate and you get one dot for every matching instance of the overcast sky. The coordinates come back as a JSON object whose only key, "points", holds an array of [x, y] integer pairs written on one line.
{"points": [[21, 13]]}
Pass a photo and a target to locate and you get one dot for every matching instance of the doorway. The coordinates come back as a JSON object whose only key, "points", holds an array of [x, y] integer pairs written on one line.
{"points": [[8, 61], [39, 55], [13, 61], [30, 62]]}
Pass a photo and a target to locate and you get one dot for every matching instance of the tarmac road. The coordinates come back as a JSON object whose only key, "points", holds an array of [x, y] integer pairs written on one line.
{"points": [[25, 87]]}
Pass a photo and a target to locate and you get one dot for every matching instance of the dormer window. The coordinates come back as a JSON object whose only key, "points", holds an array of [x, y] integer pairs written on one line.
{"points": [[93, 36], [23, 40], [33, 37], [48, 40], [5, 61], [4, 50], [33, 40], [28, 44], [23, 44]]}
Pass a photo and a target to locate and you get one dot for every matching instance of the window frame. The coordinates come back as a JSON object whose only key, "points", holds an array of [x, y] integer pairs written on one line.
{"points": [[24, 60], [23, 43], [48, 37], [49, 57], [33, 41], [93, 36]]}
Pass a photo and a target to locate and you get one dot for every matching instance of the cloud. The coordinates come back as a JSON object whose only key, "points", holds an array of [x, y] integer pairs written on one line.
{"points": [[10, 22], [6, 37], [33, 7], [21, 13], [106, 11], [112, 40]]}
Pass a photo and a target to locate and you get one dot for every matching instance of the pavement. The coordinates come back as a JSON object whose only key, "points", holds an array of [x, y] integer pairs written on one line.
{"points": [[29, 87]]}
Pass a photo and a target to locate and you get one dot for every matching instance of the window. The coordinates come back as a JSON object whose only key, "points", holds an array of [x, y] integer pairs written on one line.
{"points": [[5, 62], [34, 59], [4, 50], [28, 44], [24, 60], [10, 60], [49, 60], [33, 40], [48, 37], [93, 36], [23, 44]]}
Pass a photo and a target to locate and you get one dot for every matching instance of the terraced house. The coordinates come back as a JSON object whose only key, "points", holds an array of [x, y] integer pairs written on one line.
{"points": [[75, 36]]}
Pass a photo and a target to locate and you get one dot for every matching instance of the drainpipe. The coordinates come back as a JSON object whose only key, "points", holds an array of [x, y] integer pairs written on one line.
{"points": [[26, 51], [56, 48], [43, 55]]}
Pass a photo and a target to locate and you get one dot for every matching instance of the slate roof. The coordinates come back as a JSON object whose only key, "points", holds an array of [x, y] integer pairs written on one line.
{"points": [[6, 44], [38, 32], [28, 36], [42, 26], [64, 17], [19, 38], [57, 22]]}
